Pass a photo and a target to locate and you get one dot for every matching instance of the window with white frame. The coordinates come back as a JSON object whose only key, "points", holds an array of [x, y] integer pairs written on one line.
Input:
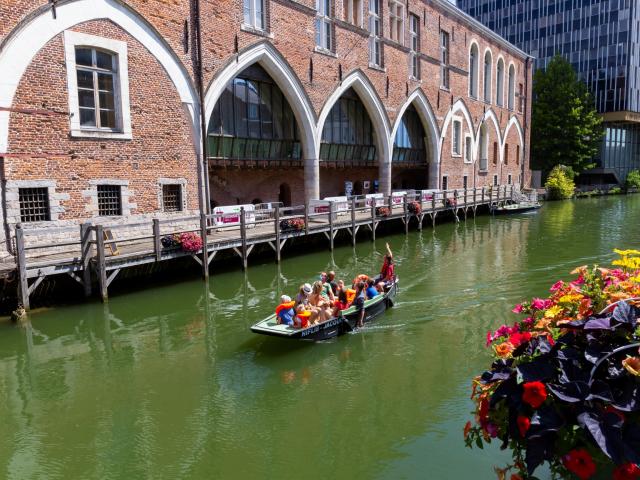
{"points": [[254, 14], [511, 87], [500, 83], [444, 59], [353, 12], [375, 31], [488, 67], [324, 27], [98, 86], [456, 138], [467, 149], [396, 21], [414, 46], [473, 71]]}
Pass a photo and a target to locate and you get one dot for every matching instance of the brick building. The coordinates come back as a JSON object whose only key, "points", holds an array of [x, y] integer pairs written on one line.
{"points": [[100, 106]]}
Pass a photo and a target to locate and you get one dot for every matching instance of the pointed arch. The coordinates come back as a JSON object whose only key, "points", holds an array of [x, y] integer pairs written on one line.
{"points": [[372, 103], [430, 125], [461, 107], [514, 122], [487, 75], [500, 81], [21, 45], [474, 68], [283, 75], [490, 117]]}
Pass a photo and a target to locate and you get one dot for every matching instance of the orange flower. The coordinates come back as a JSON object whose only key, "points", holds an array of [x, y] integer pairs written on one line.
{"points": [[504, 349], [632, 364], [467, 429], [515, 476]]}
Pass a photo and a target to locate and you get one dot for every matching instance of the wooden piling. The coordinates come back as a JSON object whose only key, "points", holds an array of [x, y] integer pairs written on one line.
{"points": [[331, 224], [23, 286], [277, 231], [406, 214], [102, 265], [205, 249], [243, 237], [353, 221], [373, 220], [157, 247], [306, 217], [85, 249]]}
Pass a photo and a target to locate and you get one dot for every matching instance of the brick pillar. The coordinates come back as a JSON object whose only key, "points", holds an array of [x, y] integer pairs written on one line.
{"points": [[311, 179]]}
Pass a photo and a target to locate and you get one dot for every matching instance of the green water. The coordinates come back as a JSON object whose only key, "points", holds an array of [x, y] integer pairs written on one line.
{"points": [[169, 382]]}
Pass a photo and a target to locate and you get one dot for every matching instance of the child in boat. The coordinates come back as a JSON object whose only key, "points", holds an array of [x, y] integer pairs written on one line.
{"points": [[359, 302], [318, 300], [341, 303], [387, 273], [327, 291], [371, 290], [285, 313]]}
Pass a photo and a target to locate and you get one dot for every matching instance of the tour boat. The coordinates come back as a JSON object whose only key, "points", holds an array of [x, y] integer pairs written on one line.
{"points": [[519, 207], [343, 323]]}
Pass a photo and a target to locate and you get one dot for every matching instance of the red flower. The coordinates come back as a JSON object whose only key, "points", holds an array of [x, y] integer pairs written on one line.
{"points": [[579, 462], [515, 476], [518, 339], [535, 393], [628, 471], [523, 424]]}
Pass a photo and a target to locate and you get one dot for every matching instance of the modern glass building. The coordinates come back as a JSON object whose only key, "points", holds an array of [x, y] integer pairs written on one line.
{"points": [[601, 39]]}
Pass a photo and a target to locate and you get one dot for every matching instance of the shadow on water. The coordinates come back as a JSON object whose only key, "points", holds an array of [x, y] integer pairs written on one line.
{"points": [[169, 382]]}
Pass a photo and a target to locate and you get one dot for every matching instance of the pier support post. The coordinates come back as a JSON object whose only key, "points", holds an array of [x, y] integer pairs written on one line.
{"points": [[102, 265], [353, 221], [277, 228], [373, 220], [331, 235], [482, 197], [406, 214], [157, 248], [306, 217], [205, 249], [243, 237], [85, 255], [22, 268]]}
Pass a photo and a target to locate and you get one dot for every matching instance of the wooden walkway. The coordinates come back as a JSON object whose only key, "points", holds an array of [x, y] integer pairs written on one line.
{"points": [[100, 252]]}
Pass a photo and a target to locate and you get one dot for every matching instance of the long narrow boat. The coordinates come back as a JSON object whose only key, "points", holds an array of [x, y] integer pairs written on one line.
{"points": [[344, 323], [519, 207]]}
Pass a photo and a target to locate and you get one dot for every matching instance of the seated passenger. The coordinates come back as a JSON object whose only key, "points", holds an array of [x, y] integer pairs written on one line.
{"points": [[320, 302], [303, 295], [327, 291], [285, 312], [387, 273], [371, 290], [341, 303], [331, 280]]}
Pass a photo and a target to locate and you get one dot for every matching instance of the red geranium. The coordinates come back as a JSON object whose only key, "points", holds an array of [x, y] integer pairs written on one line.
{"points": [[579, 462], [535, 393], [628, 471], [523, 424], [518, 339]]}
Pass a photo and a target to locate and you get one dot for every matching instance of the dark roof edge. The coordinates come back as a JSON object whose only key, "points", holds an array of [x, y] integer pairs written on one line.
{"points": [[472, 22]]}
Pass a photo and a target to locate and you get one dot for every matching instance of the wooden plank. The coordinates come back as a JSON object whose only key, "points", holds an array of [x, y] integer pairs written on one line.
{"points": [[110, 242], [205, 245], [243, 237], [353, 221], [113, 275], [22, 268], [277, 231], [85, 247], [157, 247], [102, 268], [35, 284]]}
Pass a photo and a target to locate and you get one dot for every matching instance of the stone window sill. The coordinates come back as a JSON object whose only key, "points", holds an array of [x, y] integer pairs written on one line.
{"points": [[101, 134], [255, 31], [324, 51], [373, 66], [445, 89]]}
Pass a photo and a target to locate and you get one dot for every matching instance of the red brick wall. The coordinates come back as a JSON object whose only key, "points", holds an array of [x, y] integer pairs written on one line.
{"points": [[162, 144]]}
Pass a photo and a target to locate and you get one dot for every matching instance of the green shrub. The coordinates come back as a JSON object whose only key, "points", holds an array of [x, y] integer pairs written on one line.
{"points": [[615, 191], [633, 179], [559, 184]]}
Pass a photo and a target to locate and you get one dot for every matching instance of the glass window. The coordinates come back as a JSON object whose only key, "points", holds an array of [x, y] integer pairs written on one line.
{"points": [[353, 12], [467, 150], [254, 13], [456, 138], [396, 21], [473, 71], [375, 32], [512, 84], [500, 83], [444, 59], [488, 66], [414, 46], [324, 28], [95, 74]]}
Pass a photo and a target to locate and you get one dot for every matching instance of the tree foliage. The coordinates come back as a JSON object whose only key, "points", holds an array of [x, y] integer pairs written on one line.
{"points": [[566, 129], [633, 179], [559, 184]]}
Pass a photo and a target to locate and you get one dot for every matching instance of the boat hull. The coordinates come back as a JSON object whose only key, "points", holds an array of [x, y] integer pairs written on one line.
{"points": [[336, 326], [511, 211]]}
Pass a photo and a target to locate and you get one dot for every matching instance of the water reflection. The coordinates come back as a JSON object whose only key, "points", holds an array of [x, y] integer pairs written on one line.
{"points": [[169, 383]]}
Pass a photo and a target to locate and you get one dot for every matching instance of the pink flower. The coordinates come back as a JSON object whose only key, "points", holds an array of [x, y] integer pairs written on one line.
{"points": [[577, 282], [528, 321], [517, 308], [489, 338], [557, 286], [491, 429], [538, 304]]}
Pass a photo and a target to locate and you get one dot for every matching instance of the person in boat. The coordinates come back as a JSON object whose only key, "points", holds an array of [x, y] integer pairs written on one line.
{"points": [[387, 272], [341, 303], [303, 295], [305, 312], [371, 291], [285, 312], [327, 291], [359, 302], [320, 302], [331, 280]]}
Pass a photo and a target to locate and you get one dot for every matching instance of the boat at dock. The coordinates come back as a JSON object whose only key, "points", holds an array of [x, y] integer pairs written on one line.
{"points": [[345, 322], [516, 207]]}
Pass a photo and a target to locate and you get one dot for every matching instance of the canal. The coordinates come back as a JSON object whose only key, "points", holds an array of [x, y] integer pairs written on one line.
{"points": [[168, 382]]}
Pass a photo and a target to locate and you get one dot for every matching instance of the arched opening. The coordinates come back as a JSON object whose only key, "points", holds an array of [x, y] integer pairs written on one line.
{"points": [[512, 86], [500, 83], [348, 146], [285, 194], [473, 71], [488, 64], [483, 150], [256, 201], [252, 126], [410, 160]]}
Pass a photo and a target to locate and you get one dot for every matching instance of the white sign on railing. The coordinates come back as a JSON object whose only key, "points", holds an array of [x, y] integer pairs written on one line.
{"points": [[227, 216], [397, 197], [374, 199], [318, 206], [340, 204], [427, 195]]}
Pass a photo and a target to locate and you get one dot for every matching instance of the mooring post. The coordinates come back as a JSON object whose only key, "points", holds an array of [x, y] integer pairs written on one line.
{"points": [[23, 285], [157, 248], [277, 228], [373, 219], [102, 265], [433, 201], [205, 249], [306, 217], [331, 224], [465, 197], [243, 237], [406, 214], [85, 255], [482, 196], [444, 198], [353, 221]]}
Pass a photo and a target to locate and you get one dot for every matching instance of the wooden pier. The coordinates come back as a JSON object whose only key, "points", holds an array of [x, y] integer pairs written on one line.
{"points": [[96, 253]]}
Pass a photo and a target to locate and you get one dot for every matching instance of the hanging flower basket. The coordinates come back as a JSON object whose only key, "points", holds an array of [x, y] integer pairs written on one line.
{"points": [[170, 242], [414, 208], [292, 225], [190, 242], [564, 383], [383, 211]]}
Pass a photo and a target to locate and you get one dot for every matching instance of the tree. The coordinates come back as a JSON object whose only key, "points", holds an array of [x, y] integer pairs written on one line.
{"points": [[566, 129], [559, 183]]}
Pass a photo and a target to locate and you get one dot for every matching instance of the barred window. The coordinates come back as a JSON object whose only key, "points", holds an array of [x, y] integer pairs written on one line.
{"points": [[34, 204], [445, 182], [495, 180], [109, 200], [465, 182], [172, 198]]}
